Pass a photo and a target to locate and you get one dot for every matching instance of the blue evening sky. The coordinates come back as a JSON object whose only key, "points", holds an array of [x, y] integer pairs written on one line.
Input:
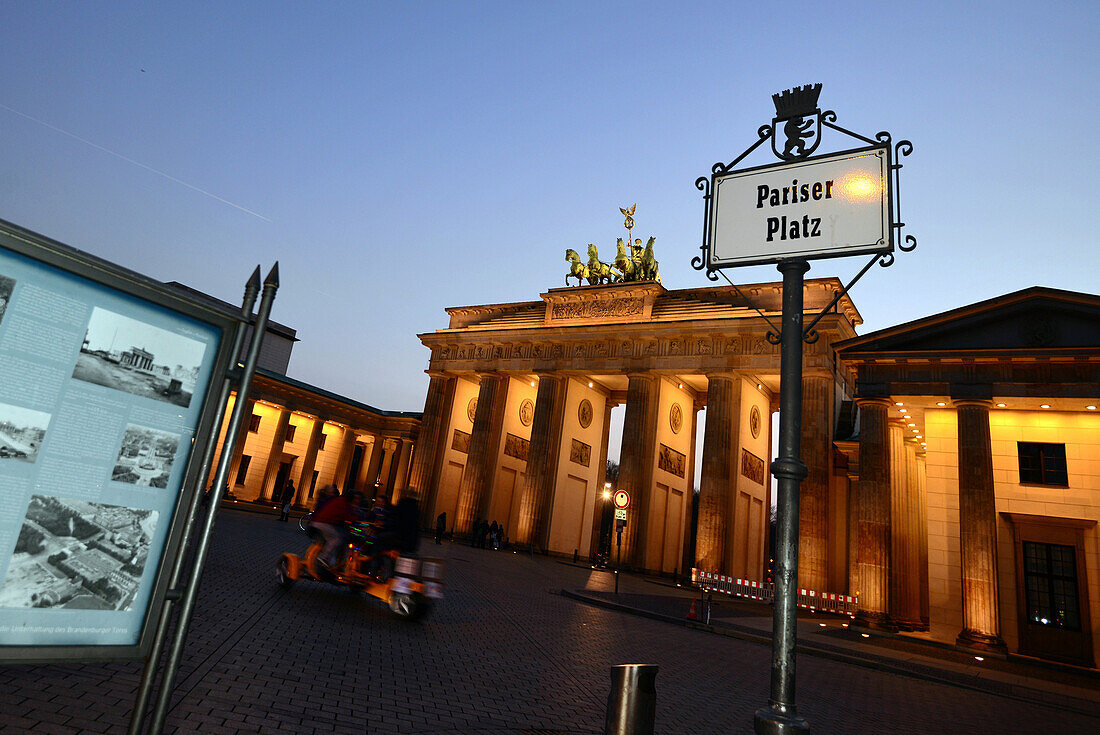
{"points": [[398, 158]]}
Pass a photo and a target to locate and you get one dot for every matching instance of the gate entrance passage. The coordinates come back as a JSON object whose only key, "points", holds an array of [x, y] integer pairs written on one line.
{"points": [[516, 421]]}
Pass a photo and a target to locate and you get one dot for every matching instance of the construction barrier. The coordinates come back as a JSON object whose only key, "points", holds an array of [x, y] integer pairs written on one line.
{"points": [[753, 590]]}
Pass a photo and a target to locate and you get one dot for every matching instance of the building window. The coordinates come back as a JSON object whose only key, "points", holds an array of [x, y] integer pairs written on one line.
{"points": [[1050, 578], [254, 423], [290, 432], [242, 471], [321, 443], [1043, 464]]}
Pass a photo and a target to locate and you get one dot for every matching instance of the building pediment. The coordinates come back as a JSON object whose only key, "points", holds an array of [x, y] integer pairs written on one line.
{"points": [[1034, 320]]}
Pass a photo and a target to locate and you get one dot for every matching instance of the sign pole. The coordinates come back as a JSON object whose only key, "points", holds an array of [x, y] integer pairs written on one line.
{"points": [[619, 542], [780, 717], [141, 703], [190, 594]]}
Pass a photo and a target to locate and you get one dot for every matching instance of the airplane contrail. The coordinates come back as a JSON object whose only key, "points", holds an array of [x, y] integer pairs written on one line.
{"points": [[246, 210]]}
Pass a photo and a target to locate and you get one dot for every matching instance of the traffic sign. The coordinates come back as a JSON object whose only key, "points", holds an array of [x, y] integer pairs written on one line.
{"points": [[621, 499], [620, 514]]}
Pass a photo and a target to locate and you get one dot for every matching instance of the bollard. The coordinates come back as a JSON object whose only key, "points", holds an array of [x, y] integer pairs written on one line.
{"points": [[632, 703], [576, 555]]}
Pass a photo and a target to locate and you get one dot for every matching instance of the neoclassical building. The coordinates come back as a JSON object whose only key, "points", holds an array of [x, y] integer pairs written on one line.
{"points": [[977, 468], [515, 423]]}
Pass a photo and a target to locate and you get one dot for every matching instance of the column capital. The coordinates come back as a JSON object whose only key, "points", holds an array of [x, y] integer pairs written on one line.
{"points": [[721, 375], [874, 401], [975, 402]]}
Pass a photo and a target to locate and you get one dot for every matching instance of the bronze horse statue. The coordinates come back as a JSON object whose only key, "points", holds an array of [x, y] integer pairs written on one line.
{"points": [[577, 269]]}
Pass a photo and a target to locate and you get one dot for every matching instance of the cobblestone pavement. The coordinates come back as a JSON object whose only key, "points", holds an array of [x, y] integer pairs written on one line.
{"points": [[504, 653]]}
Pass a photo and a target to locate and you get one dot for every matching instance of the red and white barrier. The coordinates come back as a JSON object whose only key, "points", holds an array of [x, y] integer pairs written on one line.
{"points": [[753, 590]]}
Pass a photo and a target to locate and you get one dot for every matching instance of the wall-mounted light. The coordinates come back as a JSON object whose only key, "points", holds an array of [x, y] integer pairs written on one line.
{"points": [[1001, 405], [899, 403], [1091, 408], [940, 403], [1044, 405], [590, 384]]}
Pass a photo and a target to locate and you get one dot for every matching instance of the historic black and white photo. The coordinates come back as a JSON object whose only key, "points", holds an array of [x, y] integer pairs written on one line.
{"points": [[79, 555], [139, 358], [146, 456], [21, 432], [7, 285]]}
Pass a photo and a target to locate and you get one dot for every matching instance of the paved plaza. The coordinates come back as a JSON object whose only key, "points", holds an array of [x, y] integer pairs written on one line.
{"points": [[505, 653]]}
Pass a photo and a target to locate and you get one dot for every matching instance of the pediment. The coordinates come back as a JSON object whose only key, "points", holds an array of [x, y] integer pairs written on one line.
{"points": [[1035, 319]]}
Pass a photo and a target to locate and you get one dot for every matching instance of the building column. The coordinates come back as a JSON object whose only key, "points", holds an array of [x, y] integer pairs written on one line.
{"points": [[687, 558], [904, 604], [853, 528], [977, 528], [922, 500], [813, 492], [374, 467], [309, 462], [718, 484], [275, 456], [601, 502], [636, 462], [400, 473], [475, 490], [238, 443], [343, 461], [542, 462], [423, 479], [874, 512]]}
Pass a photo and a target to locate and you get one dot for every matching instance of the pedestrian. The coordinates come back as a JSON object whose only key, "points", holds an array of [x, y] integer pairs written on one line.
{"points": [[494, 536], [288, 500], [440, 527]]}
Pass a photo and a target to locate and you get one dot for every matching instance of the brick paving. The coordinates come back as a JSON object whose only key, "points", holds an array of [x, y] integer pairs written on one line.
{"points": [[504, 653]]}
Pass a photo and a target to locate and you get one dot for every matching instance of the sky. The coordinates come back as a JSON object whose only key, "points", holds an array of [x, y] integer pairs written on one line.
{"points": [[400, 158]]}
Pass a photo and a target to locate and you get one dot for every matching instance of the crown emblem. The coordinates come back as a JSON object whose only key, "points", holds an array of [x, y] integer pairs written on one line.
{"points": [[797, 101]]}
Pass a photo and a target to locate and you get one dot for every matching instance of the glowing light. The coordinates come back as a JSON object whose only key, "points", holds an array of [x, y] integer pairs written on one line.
{"points": [[979, 658], [1044, 405], [822, 625], [1091, 408], [899, 403], [532, 384], [1001, 405], [858, 186], [916, 431], [912, 424], [607, 495], [940, 403], [865, 635], [681, 386], [590, 384]]}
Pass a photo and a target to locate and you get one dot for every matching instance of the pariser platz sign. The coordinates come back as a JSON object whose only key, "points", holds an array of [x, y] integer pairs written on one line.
{"points": [[835, 205]]}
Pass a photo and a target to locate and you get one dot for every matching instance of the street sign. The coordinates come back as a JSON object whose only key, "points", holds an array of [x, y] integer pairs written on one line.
{"points": [[621, 499], [829, 206], [620, 514]]}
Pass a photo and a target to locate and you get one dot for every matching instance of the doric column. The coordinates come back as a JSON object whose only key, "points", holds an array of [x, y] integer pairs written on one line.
{"points": [[430, 444], [475, 490], [275, 455], [874, 512], [369, 474], [687, 559], [601, 503], [922, 501], [239, 442], [542, 462], [904, 540], [343, 460], [636, 462], [718, 484], [977, 528], [400, 473], [309, 462], [813, 492], [853, 528]]}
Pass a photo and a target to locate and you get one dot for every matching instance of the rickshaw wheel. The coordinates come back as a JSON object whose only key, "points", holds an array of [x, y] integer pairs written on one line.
{"points": [[408, 606], [282, 573]]}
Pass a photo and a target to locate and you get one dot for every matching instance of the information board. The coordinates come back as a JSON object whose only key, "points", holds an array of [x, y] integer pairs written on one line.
{"points": [[101, 396]]}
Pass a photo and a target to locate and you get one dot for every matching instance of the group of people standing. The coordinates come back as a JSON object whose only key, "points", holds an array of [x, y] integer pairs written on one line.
{"points": [[487, 535]]}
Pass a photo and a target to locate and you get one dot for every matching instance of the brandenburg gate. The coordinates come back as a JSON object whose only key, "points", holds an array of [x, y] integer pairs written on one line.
{"points": [[517, 414]]}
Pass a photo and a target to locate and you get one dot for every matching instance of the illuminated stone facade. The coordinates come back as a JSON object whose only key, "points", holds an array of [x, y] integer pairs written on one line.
{"points": [[546, 374], [975, 475]]}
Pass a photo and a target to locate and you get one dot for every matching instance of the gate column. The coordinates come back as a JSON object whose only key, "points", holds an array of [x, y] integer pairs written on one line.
{"points": [[542, 461], [874, 512], [475, 491], [717, 490], [636, 462]]}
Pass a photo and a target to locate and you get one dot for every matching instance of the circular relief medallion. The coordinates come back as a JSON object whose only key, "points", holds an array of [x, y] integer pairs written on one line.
{"points": [[471, 409], [676, 418], [584, 413], [526, 411], [754, 422]]}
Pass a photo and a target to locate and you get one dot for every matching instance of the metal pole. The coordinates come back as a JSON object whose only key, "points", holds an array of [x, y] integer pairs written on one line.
{"points": [[780, 717], [619, 563], [148, 675], [160, 711], [632, 703]]}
